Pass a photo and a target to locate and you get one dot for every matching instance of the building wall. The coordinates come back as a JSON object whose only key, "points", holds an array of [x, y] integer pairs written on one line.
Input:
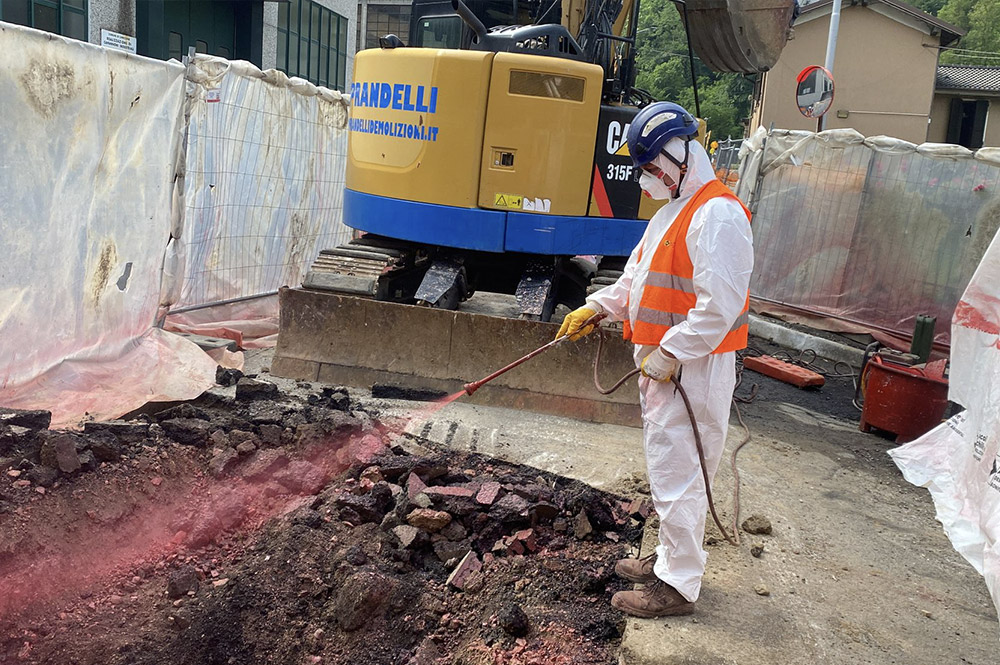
{"points": [[369, 22], [114, 15], [346, 8], [941, 109], [883, 75], [349, 10], [269, 50], [937, 131]]}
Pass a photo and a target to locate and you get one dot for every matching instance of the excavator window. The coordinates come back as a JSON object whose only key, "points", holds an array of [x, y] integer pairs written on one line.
{"points": [[439, 32]]}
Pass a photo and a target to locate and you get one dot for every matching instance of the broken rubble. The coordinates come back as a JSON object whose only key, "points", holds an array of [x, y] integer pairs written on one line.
{"points": [[428, 520], [42, 475], [34, 420], [757, 524], [185, 410], [510, 508], [469, 565], [447, 550], [640, 509], [372, 474], [406, 534], [581, 526], [358, 509], [188, 431], [59, 451], [414, 486], [301, 477], [422, 501], [513, 620], [106, 449], [488, 493], [12, 436], [222, 462], [266, 412], [251, 389], [271, 434], [263, 465], [527, 537], [181, 582], [88, 462], [225, 376], [543, 512], [363, 596], [454, 531], [448, 491], [246, 448], [127, 430]]}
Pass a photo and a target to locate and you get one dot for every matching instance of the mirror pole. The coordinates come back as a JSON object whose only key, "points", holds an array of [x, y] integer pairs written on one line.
{"points": [[831, 48]]}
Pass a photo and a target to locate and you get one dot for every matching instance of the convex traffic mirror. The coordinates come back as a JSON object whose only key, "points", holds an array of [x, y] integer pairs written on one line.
{"points": [[814, 91]]}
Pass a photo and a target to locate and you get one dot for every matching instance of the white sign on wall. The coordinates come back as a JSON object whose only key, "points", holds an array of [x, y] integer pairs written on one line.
{"points": [[117, 40]]}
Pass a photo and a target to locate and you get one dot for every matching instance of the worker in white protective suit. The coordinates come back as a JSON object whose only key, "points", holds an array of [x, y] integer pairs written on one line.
{"points": [[683, 298]]}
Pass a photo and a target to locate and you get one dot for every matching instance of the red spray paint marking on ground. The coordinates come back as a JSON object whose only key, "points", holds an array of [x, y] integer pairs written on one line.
{"points": [[99, 555], [94, 555], [399, 426]]}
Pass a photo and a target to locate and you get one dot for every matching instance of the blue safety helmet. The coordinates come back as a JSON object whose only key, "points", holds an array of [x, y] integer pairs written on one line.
{"points": [[656, 124], [650, 130]]}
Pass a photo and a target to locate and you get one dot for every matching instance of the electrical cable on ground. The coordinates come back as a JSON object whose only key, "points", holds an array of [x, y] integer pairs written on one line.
{"points": [[809, 359]]}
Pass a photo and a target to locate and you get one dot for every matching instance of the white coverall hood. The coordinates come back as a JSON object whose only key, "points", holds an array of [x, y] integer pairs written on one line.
{"points": [[720, 247], [699, 170]]}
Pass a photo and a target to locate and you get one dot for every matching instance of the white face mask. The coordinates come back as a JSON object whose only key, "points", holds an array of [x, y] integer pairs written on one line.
{"points": [[655, 187]]}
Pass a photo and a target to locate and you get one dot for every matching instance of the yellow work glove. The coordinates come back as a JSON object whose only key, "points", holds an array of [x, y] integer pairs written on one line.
{"points": [[658, 366], [574, 320]]}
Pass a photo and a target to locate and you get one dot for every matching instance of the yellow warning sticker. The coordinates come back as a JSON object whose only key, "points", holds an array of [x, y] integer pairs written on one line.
{"points": [[511, 201]]}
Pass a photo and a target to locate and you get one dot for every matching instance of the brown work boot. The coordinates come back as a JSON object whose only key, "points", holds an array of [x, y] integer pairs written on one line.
{"points": [[639, 571], [656, 599]]}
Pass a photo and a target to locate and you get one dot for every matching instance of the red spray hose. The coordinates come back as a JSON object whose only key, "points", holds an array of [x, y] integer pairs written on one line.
{"points": [[594, 320], [476, 385]]}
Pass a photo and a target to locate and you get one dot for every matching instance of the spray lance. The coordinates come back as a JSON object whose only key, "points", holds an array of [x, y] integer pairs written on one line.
{"points": [[472, 387]]}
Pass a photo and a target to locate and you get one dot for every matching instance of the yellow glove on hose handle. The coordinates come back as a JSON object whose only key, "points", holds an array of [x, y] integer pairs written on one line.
{"points": [[658, 366], [574, 320]]}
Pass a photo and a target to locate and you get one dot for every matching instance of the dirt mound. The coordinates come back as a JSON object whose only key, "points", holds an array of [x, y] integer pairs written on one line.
{"points": [[269, 528]]}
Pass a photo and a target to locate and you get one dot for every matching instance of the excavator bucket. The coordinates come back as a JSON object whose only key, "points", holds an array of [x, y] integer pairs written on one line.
{"points": [[744, 36], [360, 342]]}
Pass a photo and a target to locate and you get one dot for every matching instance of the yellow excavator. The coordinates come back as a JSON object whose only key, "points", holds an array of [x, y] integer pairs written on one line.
{"points": [[489, 154]]}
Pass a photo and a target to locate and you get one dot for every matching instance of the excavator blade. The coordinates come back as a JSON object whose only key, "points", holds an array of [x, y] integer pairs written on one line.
{"points": [[344, 340], [744, 36]]}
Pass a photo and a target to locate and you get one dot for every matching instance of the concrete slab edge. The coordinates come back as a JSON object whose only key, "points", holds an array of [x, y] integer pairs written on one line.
{"points": [[800, 341]]}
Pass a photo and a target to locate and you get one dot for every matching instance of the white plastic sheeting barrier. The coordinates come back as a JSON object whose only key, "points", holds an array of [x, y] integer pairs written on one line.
{"points": [[959, 461], [90, 140], [265, 165], [866, 233]]}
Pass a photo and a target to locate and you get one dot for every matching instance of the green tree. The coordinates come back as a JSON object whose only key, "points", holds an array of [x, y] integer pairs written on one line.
{"points": [[932, 7], [981, 19], [957, 12], [662, 69]]}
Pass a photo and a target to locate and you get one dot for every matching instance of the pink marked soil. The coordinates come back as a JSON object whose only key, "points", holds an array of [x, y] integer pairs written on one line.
{"points": [[299, 551]]}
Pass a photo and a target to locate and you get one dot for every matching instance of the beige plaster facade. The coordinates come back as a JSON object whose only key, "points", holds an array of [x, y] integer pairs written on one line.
{"points": [[941, 108], [884, 72]]}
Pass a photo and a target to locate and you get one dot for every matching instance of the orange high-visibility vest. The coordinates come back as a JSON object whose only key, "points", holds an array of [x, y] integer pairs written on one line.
{"points": [[669, 294]]}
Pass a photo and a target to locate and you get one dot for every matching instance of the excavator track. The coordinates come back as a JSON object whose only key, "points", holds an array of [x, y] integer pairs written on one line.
{"points": [[368, 267], [608, 272]]}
